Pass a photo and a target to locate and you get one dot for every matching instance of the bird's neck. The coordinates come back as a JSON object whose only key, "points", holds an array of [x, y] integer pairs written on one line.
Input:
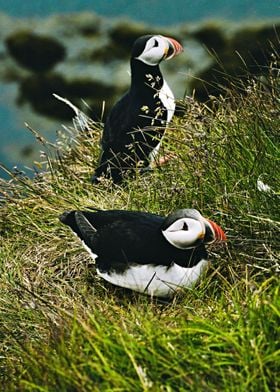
{"points": [[145, 77]]}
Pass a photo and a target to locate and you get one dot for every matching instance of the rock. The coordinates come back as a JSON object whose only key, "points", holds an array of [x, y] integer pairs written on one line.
{"points": [[35, 52], [124, 33], [98, 51], [27, 150], [109, 52], [254, 45], [247, 52], [38, 90], [211, 34], [85, 24]]}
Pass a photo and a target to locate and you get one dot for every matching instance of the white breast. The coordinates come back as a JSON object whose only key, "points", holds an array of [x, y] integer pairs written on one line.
{"points": [[167, 98], [158, 281]]}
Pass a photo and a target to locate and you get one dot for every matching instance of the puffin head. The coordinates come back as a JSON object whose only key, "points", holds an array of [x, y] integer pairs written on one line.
{"points": [[152, 49], [187, 228]]}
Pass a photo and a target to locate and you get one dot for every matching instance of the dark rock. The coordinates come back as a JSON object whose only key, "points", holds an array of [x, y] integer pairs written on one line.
{"points": [[85, 24], [98, 58], [212, 35], [254, 45], [27, 150], [248, 52], [38, 91], [35, 52], [89, 88], [110, 52], [126, 32]]}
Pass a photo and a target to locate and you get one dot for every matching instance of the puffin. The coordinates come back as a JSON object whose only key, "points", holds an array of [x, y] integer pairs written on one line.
{"points": [[135, 125], [146, 252]]}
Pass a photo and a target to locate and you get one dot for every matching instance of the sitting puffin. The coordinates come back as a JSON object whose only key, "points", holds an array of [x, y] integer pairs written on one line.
{"points": [[146, 252], [136, 123]]}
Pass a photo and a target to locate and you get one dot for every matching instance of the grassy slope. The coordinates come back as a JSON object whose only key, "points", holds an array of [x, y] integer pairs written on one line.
{"points": [[63, 329]]}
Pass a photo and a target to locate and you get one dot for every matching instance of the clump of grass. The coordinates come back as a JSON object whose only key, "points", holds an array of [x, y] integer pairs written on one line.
{"points": [[62, 328]]}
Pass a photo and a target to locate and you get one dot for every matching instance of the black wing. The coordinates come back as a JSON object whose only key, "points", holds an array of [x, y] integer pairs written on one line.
{"points": [[117, 237], [114, 141], [131, 114], [120, 121], [80, 225], [121, 238], [130, 133]]}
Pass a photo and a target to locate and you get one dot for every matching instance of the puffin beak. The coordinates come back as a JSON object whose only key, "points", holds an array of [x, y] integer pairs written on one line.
{"points": [[217, 233], [173, 48]]}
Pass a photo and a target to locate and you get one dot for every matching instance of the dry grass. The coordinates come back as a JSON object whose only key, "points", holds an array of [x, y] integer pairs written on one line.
{"points": [[63, 329]]}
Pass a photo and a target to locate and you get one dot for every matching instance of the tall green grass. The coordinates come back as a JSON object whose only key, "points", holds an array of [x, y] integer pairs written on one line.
{"points": [[64, 329]]}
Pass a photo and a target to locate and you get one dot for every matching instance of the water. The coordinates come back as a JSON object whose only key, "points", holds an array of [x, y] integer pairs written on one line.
{"points": [[160, 12], [18, 146]]}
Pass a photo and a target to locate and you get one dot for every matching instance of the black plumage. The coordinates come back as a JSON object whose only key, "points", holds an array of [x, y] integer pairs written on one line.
{"points": [[136, 123], [125, 237], [120, 240]]}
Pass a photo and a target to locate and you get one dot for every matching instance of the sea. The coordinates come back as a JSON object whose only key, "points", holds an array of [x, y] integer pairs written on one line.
{"points": [[159, 12], [155, 12]]}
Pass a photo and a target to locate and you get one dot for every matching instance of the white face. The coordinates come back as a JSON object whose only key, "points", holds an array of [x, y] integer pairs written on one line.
{"points": [[184, 232], [156, 49]]}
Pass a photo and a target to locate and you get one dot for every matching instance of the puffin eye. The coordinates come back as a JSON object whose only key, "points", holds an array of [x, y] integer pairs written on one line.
{"points": [[156, 44], [185, 226]]}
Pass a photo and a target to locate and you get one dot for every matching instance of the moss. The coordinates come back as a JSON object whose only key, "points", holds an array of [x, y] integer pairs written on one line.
{"points": [[34, 52]]}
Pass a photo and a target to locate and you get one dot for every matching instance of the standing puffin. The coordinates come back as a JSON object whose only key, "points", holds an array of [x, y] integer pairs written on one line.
{"points": [[136, 123], [146, 252]]}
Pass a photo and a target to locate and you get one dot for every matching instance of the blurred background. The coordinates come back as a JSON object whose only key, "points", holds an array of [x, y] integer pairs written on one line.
{"points": [[80, 50]]}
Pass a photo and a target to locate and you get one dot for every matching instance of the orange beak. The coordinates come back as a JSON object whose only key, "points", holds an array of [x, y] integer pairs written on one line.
{"points": [[218, 231], [174, 48]]}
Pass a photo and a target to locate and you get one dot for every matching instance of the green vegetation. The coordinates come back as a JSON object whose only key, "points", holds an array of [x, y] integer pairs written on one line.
{"points": [[64, 329]]}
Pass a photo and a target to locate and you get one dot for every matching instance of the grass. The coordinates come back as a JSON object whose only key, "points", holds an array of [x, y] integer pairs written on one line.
{"points": [[64, 329]]}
